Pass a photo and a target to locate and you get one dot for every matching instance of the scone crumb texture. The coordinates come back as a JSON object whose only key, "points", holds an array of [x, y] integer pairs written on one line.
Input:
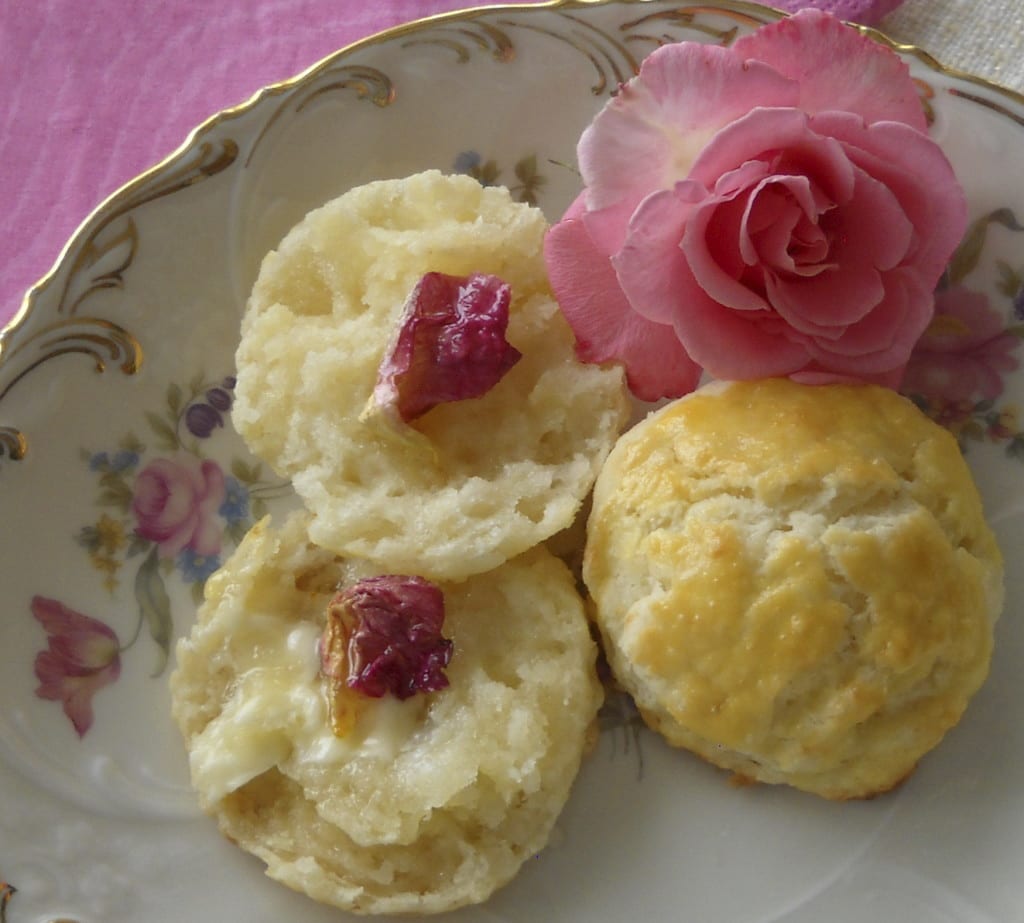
{"points": [[471, 483], [427, 803]]}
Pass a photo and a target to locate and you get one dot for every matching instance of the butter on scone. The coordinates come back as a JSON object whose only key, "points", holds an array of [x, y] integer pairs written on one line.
{"points": [[428, 802], [796, 583], [471, 483]]}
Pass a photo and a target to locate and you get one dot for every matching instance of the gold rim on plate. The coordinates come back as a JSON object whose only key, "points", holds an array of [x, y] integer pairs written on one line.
{"points": [[105, 342], [754, 11]]}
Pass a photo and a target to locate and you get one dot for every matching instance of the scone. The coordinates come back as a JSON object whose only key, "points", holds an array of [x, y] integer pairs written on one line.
{"points": [[797, 583], [428, 803], [495, 474]]}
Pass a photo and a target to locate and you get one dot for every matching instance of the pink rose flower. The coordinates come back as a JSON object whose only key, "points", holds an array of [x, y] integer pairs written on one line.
{"points": [[176, 503], [867, 12], [965, 352], [774, 208], [83, 656]]}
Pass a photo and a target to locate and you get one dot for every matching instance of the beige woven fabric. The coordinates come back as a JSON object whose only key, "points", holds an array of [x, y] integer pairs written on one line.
{"points": [[982, 37]]}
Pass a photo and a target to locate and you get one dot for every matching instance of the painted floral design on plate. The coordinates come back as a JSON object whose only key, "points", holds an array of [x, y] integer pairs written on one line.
{"points": [[957, 372], [165, 510], [172, 512], [526, 184]]}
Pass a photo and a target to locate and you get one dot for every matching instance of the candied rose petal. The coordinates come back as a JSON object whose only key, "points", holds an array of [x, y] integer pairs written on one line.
{"points": [[450, 344], [393, 643]]}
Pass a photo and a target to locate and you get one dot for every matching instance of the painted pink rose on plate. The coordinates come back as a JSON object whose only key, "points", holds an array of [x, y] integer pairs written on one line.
{"points": [[964, 354], [175, 504], [772, 208], [82, 656]]}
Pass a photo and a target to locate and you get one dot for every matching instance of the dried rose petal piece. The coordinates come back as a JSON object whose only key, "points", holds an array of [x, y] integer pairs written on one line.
{"points": [[343, 703], [383, 635], [450, 345]]}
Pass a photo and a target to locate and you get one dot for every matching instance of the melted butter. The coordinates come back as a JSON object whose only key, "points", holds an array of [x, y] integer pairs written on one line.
{"points": [[392, 723], [276, 711]]}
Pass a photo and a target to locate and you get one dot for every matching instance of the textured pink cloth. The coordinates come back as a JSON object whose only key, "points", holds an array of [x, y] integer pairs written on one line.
{"points": [[93, 93]]}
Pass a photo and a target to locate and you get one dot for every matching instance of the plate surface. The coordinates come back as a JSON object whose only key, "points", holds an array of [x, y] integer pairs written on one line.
{"points": [[100, 381]]}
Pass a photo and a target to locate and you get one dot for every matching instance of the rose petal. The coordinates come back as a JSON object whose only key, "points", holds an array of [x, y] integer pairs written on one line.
{"points": [[916, 171], [884, 339], [449, 345], [390, 628], [781, 210], [606, 327], [837, 68], [871, 235], [577, 209], [732, 345], [607, 227], [787, 140], [667, 253], [648, 136], [660, 281], [714, 248]]}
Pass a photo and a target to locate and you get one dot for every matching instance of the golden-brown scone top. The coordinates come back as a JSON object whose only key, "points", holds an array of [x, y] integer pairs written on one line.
{"points": [[795, 582]]}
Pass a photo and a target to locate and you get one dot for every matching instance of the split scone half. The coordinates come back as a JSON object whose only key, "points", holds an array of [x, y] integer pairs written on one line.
{"points": [[469, 484], [426, 803], [795, 582]]}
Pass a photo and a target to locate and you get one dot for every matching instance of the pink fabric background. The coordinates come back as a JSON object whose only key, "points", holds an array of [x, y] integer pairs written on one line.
{"points": [[93, 93]]}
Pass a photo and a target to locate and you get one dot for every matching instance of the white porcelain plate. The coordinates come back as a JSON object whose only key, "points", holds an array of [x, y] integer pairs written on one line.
{"points": [[116, 451]]}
